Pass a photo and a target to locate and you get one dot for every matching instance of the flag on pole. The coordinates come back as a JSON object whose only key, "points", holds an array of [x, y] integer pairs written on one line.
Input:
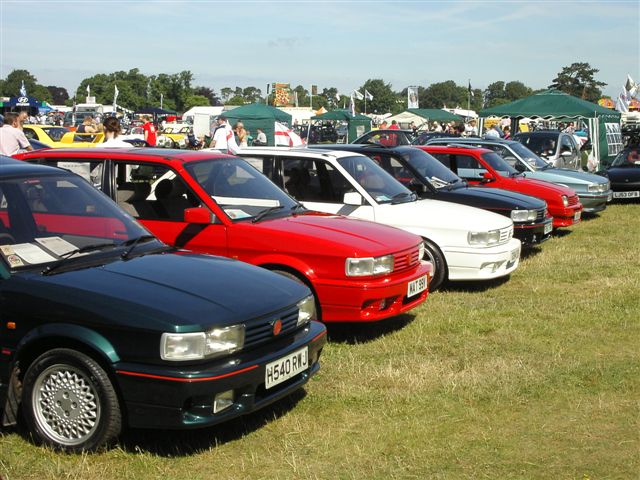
{"points": [[23, 90], [88, 90], [470, 90], [352, 106], [631, 87], [358, 95], [367, 95], [337, 98], [115, 97]]}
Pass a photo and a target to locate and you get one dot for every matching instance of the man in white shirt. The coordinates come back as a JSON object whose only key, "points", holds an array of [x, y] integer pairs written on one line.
{"points": [[223, 138], [12, 138]]}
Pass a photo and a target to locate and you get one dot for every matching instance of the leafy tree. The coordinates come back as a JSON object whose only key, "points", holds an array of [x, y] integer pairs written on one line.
{"points": [[59, 95], [236, 100], [196, 100], [578, 80], [384, 99], [439, 95], [303, 96], [14, 80], [252, 94], [209, 93], [226, 94]]}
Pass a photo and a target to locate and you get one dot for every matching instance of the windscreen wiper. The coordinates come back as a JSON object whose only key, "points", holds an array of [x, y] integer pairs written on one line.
{"points": [[68, 255], [132, 243], [266, 212]]}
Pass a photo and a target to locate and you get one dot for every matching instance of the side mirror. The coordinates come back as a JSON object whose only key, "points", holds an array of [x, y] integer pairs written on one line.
{"points": [[487, 177], [519, 167], [352, 198], [199, 215], [566, 153]]}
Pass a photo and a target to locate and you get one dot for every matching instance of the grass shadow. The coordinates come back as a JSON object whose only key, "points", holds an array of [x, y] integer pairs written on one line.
{"points": [[357, 333], [475, 286], [560, 233], [179, 443], [530, 251]]}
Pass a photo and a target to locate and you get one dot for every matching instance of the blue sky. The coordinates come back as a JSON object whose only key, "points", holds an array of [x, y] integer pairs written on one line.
{"points": [[334, 43]]}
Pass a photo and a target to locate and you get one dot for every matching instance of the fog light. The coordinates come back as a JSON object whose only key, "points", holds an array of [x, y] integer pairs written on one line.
{"points": [[223, 401]]}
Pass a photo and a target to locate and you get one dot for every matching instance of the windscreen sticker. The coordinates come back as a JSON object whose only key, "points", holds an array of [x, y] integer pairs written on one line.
{"points": [[32, 253], [57, 245], [382, 198], [235, 213]]}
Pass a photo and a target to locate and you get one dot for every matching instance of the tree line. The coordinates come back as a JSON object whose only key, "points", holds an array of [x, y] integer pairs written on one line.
{"points": [[177, 92]]}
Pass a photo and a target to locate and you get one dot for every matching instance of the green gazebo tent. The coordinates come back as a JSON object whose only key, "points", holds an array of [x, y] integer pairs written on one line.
{"points": [[604, 123], [258, 115], [357, 124], [421, 116]]}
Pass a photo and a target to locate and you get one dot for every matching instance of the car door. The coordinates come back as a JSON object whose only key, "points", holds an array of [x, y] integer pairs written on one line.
{"points": [[321, 186], [157, 196], [465, 166], [567, 144]]}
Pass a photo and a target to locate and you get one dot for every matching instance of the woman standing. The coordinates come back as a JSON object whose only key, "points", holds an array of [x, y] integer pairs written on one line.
{"points": [[241, 133]]}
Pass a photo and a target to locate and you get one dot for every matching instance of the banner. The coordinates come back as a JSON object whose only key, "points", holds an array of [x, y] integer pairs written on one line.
{"points": [[412, 97], [282, 95]]}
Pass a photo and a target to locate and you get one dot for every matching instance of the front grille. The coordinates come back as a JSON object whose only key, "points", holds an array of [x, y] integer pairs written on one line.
{"points": [[541, 215], [573, 200], [505, 235], [406, 259], [260, 330]]}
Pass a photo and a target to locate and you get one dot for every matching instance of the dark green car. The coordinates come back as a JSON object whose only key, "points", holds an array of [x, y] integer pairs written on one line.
{"points": [[103, 325]]}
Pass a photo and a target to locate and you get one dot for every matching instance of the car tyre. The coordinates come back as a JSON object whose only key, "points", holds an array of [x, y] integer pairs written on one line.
{"points": [[69, 402], [433, 254]]}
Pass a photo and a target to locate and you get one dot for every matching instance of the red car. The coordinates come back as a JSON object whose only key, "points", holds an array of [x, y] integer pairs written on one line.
{"points": [[480, 166], [220, 204]]}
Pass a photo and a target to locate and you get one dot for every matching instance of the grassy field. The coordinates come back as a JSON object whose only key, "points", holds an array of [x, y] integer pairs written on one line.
{"points": [[534, 377]]}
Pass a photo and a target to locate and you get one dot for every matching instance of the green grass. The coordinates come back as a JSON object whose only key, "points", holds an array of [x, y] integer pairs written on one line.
{"points": [[534, 377]]}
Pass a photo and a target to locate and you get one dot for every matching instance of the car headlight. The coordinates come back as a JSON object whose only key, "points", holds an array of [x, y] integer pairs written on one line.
{"points": [[360, 267], [199, 345], [306, 310], [593, 187], [491, 237], [523, 215], [565, 201]]}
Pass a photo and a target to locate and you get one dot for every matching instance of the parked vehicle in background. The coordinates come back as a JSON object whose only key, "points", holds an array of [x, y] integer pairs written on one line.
{"points": [[178, 133], [593, 191], [624, 174], [207, 202], [463, 243], [386, 137], [104, 326], [483, 167], [558, 148], [137, 133], [61, 137], [429, 179]]}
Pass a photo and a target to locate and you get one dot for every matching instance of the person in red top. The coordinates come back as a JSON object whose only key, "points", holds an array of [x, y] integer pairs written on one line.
{"points": [[150, 132], [394, 125]]}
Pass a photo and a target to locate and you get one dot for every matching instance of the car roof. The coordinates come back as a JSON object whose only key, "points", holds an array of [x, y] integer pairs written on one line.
{"points": [[365, 147], [296, 151], [540, 133], [492, 141], [10, 166], [465, 148], [165, 154]]}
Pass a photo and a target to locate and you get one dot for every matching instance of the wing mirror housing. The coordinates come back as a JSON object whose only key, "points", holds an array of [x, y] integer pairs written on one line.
{"points": [[199, 215], [352, 198], [487, 177]]}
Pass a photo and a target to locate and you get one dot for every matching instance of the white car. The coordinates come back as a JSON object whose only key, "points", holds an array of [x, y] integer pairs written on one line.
{"points": [[463, 243]]}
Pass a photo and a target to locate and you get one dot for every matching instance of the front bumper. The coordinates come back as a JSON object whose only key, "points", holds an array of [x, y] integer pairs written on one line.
{"points": [[595, 202], [468, 263], [535, 233], [370, 300], [157, 396], [566, 216]]}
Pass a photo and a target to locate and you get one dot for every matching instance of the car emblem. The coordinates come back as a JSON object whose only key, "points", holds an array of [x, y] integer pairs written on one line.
{"points": [[277, 327]]}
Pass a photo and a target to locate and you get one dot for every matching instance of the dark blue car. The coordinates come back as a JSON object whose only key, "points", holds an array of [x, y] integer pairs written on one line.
{"points": [[104, 325]]}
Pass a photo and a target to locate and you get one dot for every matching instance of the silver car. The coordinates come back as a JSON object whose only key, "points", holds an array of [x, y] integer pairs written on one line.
{"points": [[594, 190]]}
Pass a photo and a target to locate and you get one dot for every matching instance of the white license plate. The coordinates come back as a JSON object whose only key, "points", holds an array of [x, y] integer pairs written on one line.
{"points": [[577, 215], [286, 367], [626, 194], [548, 227], [416, 286]]}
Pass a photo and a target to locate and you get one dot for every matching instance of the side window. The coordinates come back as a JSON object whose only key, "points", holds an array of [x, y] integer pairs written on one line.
{"points": [[505, 154], [266, 165], [469, 167], [152, 192], [443, 158], [313, 180], [91, 170], [566, 145], [30, 134]]}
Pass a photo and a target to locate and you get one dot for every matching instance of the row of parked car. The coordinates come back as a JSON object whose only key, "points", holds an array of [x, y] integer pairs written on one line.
{"points": [[115, 314]]}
